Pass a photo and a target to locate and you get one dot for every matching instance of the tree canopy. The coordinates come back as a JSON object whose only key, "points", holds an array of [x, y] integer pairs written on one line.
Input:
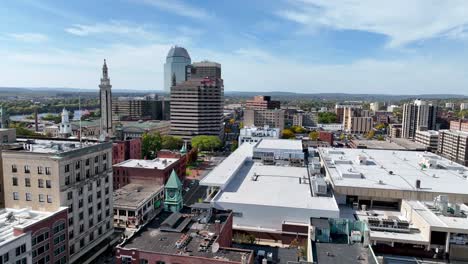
{"points": [[206, 143], [172, 142], [287, 133], [326, 117], [298, 129], [151, 143], [314, 135]]}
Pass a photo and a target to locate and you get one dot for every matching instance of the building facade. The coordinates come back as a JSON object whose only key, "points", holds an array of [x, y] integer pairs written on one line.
{"points": [[264, 117], [177, 60], [126, 149], [140, 108], [45, 175], [418, 115], [461, 125], [453, 145], [429, 138], [197, 108], [262, 102], [105, 97], [204, 69]]}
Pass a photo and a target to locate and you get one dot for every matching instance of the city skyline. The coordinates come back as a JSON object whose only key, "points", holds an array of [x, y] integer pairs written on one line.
{"points": [[302, 46]]}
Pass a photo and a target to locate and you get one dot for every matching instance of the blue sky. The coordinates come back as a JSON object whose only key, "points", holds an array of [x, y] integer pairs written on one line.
{"points": [[311, 46]]}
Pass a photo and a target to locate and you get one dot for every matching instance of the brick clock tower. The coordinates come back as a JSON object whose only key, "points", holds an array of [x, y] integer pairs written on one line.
{"points": [[173, 200], [105, 99]]}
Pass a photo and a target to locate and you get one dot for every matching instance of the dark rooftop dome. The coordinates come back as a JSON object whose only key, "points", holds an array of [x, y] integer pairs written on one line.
{"points": [[178, 52]]}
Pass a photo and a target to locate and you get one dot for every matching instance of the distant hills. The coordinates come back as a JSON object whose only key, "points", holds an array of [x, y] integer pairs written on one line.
{"points": [[46, 91]]}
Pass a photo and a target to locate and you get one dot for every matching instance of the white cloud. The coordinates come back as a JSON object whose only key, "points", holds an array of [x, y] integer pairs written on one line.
{"points": [[178, 7], [112, 27], [402, 21], [28, 37], [141, 67]]}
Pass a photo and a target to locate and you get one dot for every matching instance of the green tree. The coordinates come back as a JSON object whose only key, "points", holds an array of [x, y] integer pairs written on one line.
{"points": [[380, 138], [326, 117], [463, 113], [151, 143], [314, 135], [380, 126], [171, 142], [298, 129], [342, 136], [287, 133], [370, 134], [206, 143], [234, 145]]}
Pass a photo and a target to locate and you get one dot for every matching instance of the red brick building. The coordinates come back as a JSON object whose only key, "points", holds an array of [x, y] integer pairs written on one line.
{"points": [[185, 240], [49, 234], [156, 171], [125, 150], [326, 136]]}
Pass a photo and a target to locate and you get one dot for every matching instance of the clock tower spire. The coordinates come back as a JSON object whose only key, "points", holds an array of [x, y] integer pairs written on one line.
{"points": [[105, 98]]}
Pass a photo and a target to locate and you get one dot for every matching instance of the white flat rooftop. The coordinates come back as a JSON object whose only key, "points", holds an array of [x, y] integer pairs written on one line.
{"points": [[133, 195], [439, 221], [51, 146], [19, 218], [274, 186], [395, 170], [223, 173], [157, 163], [280, 144]]}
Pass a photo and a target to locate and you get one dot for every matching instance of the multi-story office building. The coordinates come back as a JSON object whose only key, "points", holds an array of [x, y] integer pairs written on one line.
{"points": [[429, 138], [140, 108], [461, 125], [203, 69], [262, 111], [341, 108], [394, 130], [262, 102], [45, 175], [450, 105], [177, 60], [418, 116], [264, 117], [305, 119], [463, 106], [453, 145], [126, 149], [352, 111], [197, 108], [375, 106], [359, 125]]}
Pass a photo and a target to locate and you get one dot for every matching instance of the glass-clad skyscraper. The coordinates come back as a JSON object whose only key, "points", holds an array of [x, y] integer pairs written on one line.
{"points": [[176, 62]]}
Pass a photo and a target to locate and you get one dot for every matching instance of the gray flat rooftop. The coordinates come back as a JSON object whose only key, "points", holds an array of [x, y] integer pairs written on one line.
{"points": [[280, 144], [409, 144], [152, 239], [274, 186], [157, 163], [52, 146], [331, 253], [439, 221], [376, 144], [394, 170], [133, 195]]}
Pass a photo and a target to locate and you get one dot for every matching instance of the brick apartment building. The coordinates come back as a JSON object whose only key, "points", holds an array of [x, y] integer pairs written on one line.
{"points": [[126, 149]]}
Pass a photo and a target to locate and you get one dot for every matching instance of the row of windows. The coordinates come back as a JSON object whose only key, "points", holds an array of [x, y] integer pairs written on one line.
{"points": [[87, 175], [78, 163], [91, 238], [4, 258], [29, 197], [27, 169], [38, 251], [40, 238], [27, 182]]}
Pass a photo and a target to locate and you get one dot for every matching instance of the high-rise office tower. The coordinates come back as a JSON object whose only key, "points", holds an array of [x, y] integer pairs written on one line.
{"points": [[204, 69], [106, 101], [177, 60], [197, 107], [418, 115]]}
